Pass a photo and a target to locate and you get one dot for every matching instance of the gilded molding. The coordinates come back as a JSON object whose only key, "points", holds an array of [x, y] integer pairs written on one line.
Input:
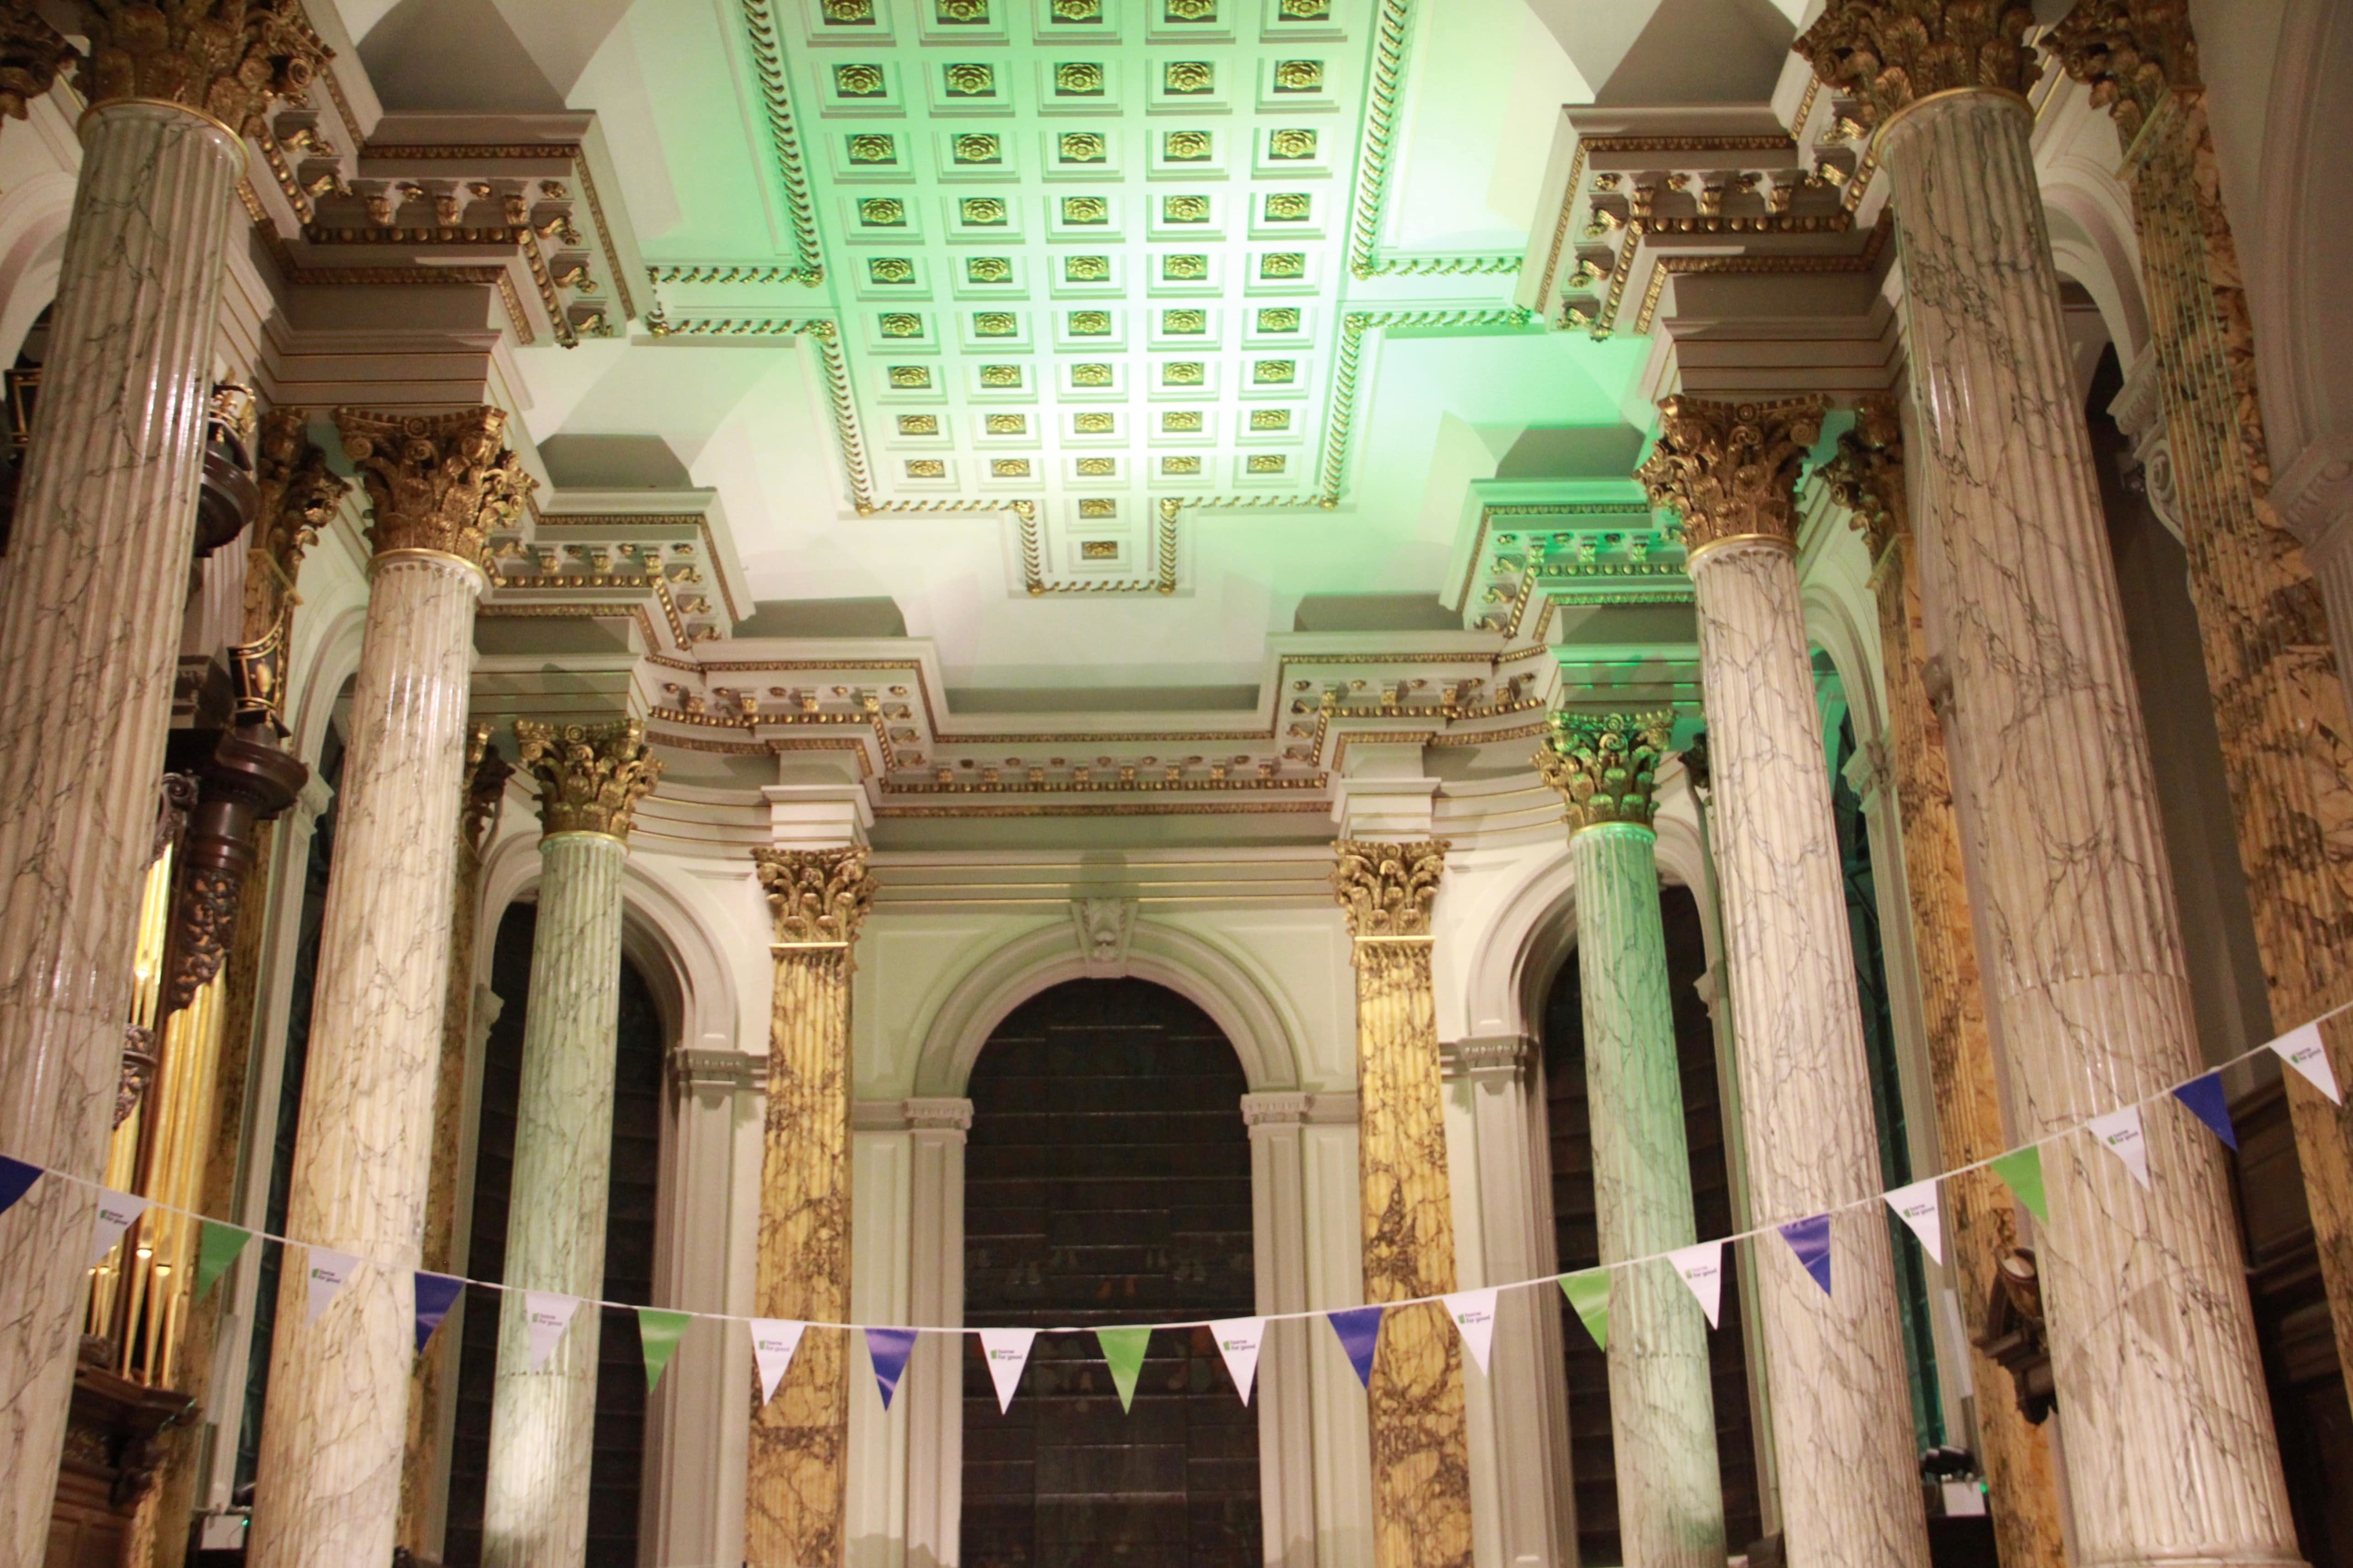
{"points": [[442, 482], [1387, 889], [2131, 53], [817, 897], [31, 54], [226, 60], [1605, 765], [1867, 475], [1889, 54], [1731, 470], [299, 496], [590, 776]]}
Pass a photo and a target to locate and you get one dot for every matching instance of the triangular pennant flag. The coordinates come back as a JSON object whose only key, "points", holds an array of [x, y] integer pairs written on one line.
{"points": [[547, 1315], [2120, 1132], [1919, 1206], [218, 1246], [329, 1271], [436, 1294], [116, 1213], [1007, 1351], [1702, 1268], [774, 1340], [2204, 1098], [1238, 1341], [1588, 1292], [2304, 1049], [658, 1332], [1810, 1239], [2021, 1171], [1359, 1329], [1122, 1352], [1474, 1312], [889, 1349], [15, 1179]]}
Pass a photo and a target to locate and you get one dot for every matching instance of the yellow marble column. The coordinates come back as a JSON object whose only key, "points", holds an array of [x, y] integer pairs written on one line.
{"points": [[799, 1443], [1867, 477], [1422, 1467]]}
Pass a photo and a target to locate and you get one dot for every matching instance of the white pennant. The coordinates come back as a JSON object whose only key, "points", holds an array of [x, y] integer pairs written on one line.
{"points": [[1474, 1312], [774, 1340], [548, 1315], [116, 1211], [1702, 1267], [330, 1272], [1918, 1206], [1007, 1351], [1238, 1341], [2120, 1131], [2304, 1049]]}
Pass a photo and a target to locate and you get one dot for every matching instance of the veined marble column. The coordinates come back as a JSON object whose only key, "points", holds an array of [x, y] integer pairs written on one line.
{"points": [[1867, 477], [792, 1508], [337, 1417], [535, 1505], [1421, 1446], [1663, 1408], [2152, 1342], [90, 607], [1843, 1406]]}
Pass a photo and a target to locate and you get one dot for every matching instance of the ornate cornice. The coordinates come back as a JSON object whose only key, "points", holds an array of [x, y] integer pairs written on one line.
{"points": [[590, 776], [1890, 53], [229, 59], [1387, 889], [818, 897], [31, 54], [1866, 476], [1604, 765], [1730, 469], [299, 496], [438, 482], [2131, 53]]}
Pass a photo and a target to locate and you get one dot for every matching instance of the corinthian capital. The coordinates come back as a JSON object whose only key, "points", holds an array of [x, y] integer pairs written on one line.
{"points": [[226, 58], [1866, 477], [435, 481], [1603, 763], [816, 896], [1385, 889], [590, 776], [299, 496], [1890, 53], [1730, 469], [31, 54], [2131, 53]]}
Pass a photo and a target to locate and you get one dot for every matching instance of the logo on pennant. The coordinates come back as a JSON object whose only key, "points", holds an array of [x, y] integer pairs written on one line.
{"points": [[330, 1272], [2304, 1049], [1474, 1312], [1919, 1206], [1359, 1329], [1588, 1291], [2207, 1102], [1810, 1239], [889, 1349], [658, 1333], [548, 1315], [1238, 1341], [1702, 1268], [436, 1294], [2119, 1132], [774, 1340], [117, 1211], [17, 1178], [1122, 1352], [1007, 1351]]}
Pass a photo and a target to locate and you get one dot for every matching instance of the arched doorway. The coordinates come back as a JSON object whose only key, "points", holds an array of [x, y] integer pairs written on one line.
{"points": [[1107, 1179]]}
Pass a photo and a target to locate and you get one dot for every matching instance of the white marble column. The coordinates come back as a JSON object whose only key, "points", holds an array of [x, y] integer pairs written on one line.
{"points": [[543, 1420], [934, 1390], [2170, 1450], [336, 1419], [1843, 1414], [1662, 1409], [90, 617]]}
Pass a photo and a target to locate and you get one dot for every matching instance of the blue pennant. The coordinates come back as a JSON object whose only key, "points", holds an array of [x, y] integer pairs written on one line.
{"points": [[888, 1350], [436, 1294], [2204, 1098], [1810, 1240], [1359, 1329], [15, 1179]]}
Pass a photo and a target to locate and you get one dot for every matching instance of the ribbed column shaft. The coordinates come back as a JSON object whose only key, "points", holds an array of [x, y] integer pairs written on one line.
{"points": [[336, 1418], [1841, 1405], [1421, 1445], [1662, 1408], [87, 615], [2168, 1430]]}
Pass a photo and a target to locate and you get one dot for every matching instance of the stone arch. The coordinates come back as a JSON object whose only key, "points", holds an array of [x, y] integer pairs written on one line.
{"points": [[33, 217]]}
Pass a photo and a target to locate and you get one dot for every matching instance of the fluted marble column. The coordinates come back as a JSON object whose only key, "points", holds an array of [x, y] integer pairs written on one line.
{"points": [[793, 1511], [1661, 1406], [1421, 1445], [2152, 1340], [336, 1419], [1841, 1405], [90, 615], [542, 1421]]}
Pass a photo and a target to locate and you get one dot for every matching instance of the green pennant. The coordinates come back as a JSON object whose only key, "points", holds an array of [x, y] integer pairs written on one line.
{"points": [[658, 1332], [2021, 1170], [1122, 1350], [218, 1246], [1588, 1292]]}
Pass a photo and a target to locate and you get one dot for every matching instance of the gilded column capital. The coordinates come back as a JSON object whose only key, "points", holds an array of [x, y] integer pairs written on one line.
{"points": [[1604, 766], [487, 772], [299, 496], [31, 54], [2131, 53], [435, 481], [590, 776], [1890, 53], [1867, 475], [226, 59], [818, 898], [1385, 889], [1730, 469]]}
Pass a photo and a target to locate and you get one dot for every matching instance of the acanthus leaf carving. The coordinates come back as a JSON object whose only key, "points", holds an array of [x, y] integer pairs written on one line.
{"points": [[442, 482], [1890, 53], [229, 59], [1605, 765], [591, 776], [1387, 889], [816, 896], [1866, 474], [2131, 53], [1730, 470]]}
